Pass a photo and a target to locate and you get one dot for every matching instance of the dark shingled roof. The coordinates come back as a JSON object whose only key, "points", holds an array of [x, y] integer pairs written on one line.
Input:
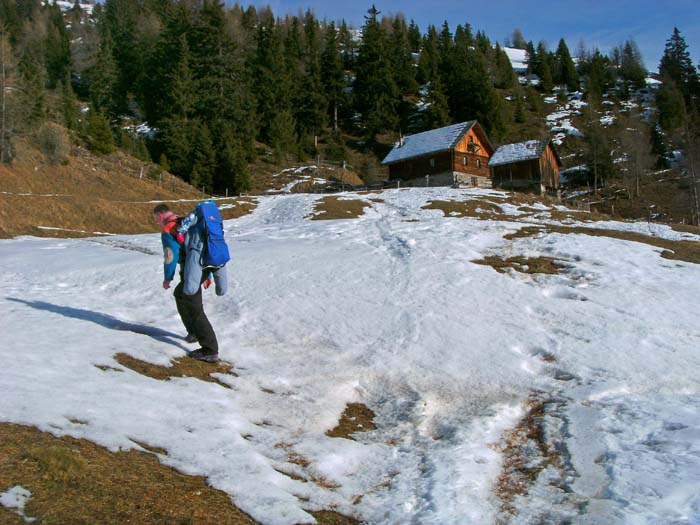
{"points": [[433, 141], [522, 151]]}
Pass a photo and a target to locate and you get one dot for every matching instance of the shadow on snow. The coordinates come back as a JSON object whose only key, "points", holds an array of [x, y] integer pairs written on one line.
{"points": [[105, 320]]}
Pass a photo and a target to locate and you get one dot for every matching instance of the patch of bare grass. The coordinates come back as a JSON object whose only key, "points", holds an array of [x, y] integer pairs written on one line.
{"points": [[531, 265], [76, 481], [355, 418], [528, 231], [688, 251], [685, 228], [333, 208], [236, 208], [476, 209], [526, 453], [181, 367], [580, 216]]}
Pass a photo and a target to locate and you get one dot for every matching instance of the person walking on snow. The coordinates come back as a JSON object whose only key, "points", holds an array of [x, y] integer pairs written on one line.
{"points": [[187, 250]]}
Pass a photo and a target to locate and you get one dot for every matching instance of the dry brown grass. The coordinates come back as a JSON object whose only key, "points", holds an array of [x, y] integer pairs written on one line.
{"points": [[88, 194], [531, 265], [78, 482], [355, 418], [181, 367], [519, 471], [527, 231], [686, 228], [477, 209], [266, 175], [688, 251], [334, 208]]}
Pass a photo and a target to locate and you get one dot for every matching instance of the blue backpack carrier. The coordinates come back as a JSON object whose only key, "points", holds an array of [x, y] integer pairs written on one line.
{"points": [[215, 253]]}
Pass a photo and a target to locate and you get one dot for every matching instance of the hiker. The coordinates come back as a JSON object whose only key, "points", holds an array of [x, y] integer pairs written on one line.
{"points": [[186, 248]]}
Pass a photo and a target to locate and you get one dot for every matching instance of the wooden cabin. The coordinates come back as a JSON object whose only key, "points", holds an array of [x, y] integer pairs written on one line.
{"points": [[527, 166], [453, 155]]}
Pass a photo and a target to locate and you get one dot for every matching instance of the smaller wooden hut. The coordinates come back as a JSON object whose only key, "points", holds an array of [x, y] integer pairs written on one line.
{"points": [[528, 166]]}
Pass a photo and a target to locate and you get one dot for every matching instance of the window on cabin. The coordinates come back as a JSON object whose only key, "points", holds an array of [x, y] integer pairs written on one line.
{"points": [[465, 161], [432, 163], [478, 163]]}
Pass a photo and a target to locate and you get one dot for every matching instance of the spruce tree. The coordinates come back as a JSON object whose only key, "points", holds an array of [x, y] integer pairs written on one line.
{"points": [[566, 68], [31, 81], [631, 65], [203, 158], [7, 106], [437, 115], [504, 77], [376, 94], [429, 57], [58, 56], [69, 104], [676, 66], [332, 73], [99, 133], [313, 106], [402, 59], [104, 78], [544, 70], [414, 37]]}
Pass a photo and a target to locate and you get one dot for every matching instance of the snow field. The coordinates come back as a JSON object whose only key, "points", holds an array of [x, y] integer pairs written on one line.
{"points": [[387, 310]]}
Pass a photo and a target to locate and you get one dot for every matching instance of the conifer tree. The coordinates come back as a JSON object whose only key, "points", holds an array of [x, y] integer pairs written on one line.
{"points": [[504, 77], [103, 79], [69, 107], [270, 80], [414, 37], [31, 80], [347, 46], [437, 115], [401, 58], [99, 133], [375, 91], [313, 106], [671, 105], [203, 158], [58, 56], [470, 92], [6, 96], [544, 71], [332, 73], [532, 59], [631, 65], [566, 68], [676, 65], [429, 57], [445, 46], [119, 21]]}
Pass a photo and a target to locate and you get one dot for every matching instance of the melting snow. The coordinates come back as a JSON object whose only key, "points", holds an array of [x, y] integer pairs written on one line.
{"points": [[388, 310]]}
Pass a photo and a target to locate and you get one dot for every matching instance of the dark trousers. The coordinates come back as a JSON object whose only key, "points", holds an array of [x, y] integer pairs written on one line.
{"points": [[191, 312]]}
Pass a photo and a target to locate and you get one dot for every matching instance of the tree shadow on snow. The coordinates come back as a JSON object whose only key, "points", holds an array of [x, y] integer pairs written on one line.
{"points": [[105, 320]]}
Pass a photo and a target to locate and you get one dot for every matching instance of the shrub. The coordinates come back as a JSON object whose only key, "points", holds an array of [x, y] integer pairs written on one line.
{"points": [[54, 143]]}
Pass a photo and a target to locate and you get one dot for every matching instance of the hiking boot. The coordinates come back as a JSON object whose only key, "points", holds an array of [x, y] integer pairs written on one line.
{"points": [[189, 338], [204, 355]]}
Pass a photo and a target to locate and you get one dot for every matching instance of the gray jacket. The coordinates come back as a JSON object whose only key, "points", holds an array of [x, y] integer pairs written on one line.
{"points": [[194, 273]]}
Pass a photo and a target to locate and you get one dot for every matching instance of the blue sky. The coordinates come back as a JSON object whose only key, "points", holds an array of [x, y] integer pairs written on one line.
{"points": [[601, 23]]}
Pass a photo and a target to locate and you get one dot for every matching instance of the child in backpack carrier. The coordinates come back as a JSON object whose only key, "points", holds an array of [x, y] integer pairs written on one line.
{"points": [[201, 231]]}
